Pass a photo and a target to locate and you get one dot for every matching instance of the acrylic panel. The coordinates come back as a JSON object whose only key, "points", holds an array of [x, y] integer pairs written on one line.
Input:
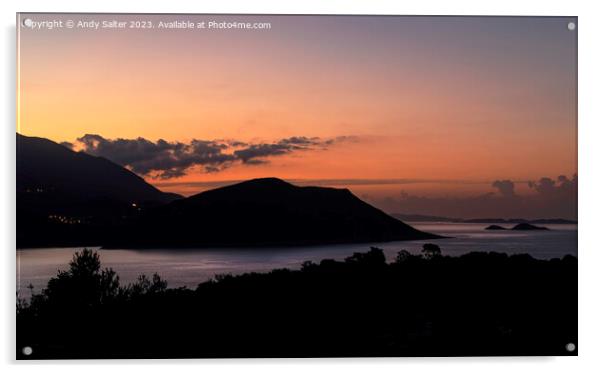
{"points": [[228, 186]]}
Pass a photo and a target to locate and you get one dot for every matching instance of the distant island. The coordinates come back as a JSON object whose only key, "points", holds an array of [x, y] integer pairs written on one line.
{"points": [[495, 228], [528, 227], [443, 219], [66, 198], [518, 227]]}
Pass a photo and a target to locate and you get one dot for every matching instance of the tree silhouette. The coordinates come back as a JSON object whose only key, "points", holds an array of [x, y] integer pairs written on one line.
{"points": [[84, 283], [402, 256], [430, 251], [308, 265], [466, 305], [144, 285], [374, 257]]}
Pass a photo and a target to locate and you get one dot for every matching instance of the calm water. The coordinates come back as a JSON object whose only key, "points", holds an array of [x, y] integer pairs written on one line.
{"points": [[189, 267]]}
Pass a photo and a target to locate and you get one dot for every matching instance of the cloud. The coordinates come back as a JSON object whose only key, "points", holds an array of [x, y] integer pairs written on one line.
{"points": [[505, 187], [168, 160], [561, 187], [552, 199], [254, 153]]}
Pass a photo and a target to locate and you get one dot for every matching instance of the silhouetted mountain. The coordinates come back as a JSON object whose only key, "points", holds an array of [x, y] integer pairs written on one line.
{"points": [[518, 227], [68, 198], [495, 228], [520, 221], [267, 212], [528, 227], [43, 165], [65, 197]]}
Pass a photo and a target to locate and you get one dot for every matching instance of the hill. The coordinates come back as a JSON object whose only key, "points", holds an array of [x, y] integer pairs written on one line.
{"points": [[43, 165], [528, 227], [58, 190], [67, 198], [495, 228], [268, 211]]}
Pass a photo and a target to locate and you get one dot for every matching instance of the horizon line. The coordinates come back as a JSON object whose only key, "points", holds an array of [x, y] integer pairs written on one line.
{"points": [[359, 181]]}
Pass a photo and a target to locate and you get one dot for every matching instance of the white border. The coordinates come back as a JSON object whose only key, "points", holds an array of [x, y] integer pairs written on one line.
{"points": [[590, 181]]}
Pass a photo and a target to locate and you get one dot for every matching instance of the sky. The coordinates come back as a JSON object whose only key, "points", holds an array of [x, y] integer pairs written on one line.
{"points": [[410, 113]]}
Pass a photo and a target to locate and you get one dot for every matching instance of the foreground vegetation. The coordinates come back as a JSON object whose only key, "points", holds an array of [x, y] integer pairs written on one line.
{"points": [[419, 305]]}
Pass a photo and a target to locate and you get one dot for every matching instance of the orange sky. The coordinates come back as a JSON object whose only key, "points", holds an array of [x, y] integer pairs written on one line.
{"points": [[471, 99]]}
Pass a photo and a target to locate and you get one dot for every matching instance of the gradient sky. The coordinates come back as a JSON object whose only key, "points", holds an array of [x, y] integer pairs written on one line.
{"points": [[455, 101]]}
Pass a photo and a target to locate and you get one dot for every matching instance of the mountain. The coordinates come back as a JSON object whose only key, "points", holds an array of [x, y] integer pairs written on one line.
{"points": [[43, 165], [519, 227], [66, 198], [528, 227], [267, 211], [521, 221], [495, 228]]}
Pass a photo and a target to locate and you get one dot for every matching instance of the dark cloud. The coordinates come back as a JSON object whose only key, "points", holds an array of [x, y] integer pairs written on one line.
{"points": [[167, 160], [256, 162], [505, 187], [236, 143], [176, 172], [301, 141], [254, 153], [552, 199], [561, 187]]}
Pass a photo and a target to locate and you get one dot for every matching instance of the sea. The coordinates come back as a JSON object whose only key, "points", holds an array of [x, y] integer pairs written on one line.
{"points": [[189, 267]]}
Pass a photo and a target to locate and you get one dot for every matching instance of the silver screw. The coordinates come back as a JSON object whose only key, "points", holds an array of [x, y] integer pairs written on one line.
{"points": [[571, 26], [570, 347], [27, 350]]}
